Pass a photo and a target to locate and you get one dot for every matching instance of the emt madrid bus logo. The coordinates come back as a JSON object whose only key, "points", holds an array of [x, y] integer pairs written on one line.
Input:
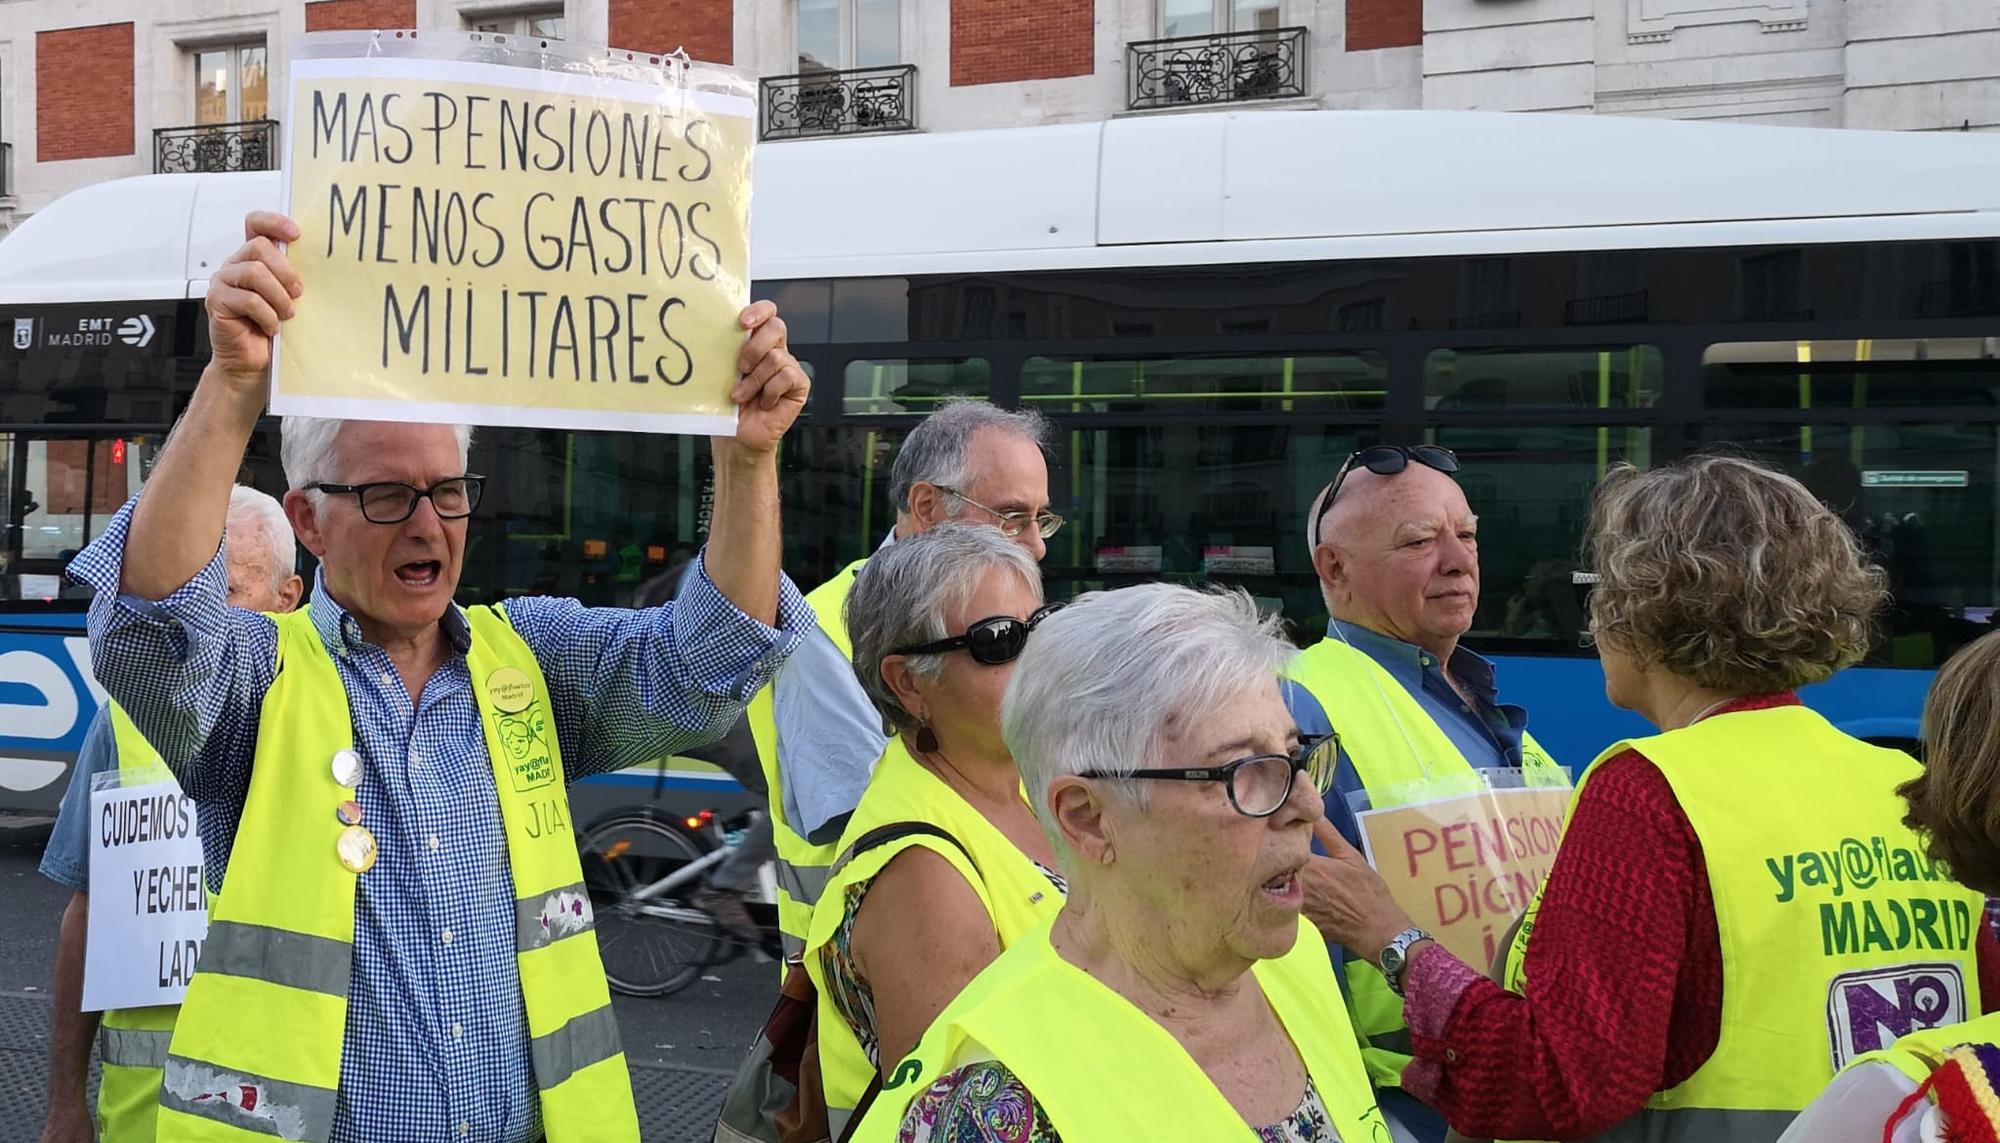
{"points": [[24, 333], [1868, 1011]]}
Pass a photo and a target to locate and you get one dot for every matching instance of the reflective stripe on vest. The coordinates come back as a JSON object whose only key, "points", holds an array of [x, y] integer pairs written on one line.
{"points": [[1018, 896], [132, 1041], [1803, 938], [1054, 1026], [801, 866], [257, 1052], [1388, 738]]}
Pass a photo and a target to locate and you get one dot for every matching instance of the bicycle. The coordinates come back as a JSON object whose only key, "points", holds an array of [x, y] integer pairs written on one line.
{"points": [[642, 868]]}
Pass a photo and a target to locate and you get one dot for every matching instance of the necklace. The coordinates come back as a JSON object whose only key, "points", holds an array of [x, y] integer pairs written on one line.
{"points": [[1706, 711]]}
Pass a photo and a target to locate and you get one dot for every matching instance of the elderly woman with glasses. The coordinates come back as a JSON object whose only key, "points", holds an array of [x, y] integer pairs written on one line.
{"points": [[941, 865], [1737, 907], [1177, 995]]}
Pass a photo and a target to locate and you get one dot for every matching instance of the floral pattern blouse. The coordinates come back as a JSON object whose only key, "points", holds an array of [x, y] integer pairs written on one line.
{"points": [[985, 1103]]}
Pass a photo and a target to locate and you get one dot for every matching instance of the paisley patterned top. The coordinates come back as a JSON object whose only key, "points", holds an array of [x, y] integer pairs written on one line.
{"points": [[845, 985], [985, 1103]]}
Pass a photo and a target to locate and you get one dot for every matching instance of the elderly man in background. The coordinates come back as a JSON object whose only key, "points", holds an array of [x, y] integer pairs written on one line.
{"points": [[401, 948], [818, 735], [261, 556], [1396, 549]]}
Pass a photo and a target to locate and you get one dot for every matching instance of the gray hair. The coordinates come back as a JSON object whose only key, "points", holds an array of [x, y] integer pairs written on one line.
{"points": [[901, 596], [258, 520], [935, 451], [306, 449], [1105, 679]]}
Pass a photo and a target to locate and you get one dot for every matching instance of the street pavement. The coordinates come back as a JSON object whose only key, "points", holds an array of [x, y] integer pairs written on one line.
{"points": [[683, 1049]]}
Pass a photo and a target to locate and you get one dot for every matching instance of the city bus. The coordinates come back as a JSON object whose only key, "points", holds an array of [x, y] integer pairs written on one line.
{"points": [[1214, 310]]}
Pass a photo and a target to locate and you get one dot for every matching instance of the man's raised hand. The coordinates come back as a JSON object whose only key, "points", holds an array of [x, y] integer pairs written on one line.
{"points": [[253, 291]]}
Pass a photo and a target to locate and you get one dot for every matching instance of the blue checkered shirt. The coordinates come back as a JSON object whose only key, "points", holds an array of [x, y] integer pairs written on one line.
{"points": [[437, 1036]]}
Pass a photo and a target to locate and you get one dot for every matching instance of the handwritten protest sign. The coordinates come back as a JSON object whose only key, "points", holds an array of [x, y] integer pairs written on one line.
{"points": [[148, 902], [1466, 867], [508, 245]]}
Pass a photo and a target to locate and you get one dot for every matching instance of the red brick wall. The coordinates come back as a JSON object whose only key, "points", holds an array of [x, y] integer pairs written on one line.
{"points": [[83, 92], [1375, 24], [359, 15], [706, 28], [1005, 41]]}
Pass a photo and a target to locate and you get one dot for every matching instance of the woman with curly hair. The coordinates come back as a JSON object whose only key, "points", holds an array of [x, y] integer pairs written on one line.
{"points": [[1738, 907]]}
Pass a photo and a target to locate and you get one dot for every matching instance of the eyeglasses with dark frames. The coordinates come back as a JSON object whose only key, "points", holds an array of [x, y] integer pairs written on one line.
{"points": [[1382, 460], [392, 502], [1258, 785], [1014, 523], [994, 641]]}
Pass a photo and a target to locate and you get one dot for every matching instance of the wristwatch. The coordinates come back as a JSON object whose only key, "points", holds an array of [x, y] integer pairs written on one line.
{"points": [[1396, 956]]}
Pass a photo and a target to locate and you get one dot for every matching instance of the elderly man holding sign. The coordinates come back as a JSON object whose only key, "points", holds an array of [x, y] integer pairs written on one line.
{"points": [[403, 946]]}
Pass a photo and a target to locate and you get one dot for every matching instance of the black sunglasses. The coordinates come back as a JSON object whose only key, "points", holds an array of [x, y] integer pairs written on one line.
{"points": [[990, 641], [392, 502], [1382, 460], [1258, 785]]}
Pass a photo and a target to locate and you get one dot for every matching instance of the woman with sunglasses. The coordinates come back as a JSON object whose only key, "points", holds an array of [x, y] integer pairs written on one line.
{"points": [[942, 864], [1178, 995]]}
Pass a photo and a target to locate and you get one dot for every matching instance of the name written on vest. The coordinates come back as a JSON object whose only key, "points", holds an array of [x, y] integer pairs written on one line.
{"points": [[1851, 923]]}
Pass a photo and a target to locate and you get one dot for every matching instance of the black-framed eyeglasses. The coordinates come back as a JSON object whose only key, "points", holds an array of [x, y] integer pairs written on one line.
{"points": [[1014, 523], [1258, 785], [1382, 460], [392, 502], [994, 641]]}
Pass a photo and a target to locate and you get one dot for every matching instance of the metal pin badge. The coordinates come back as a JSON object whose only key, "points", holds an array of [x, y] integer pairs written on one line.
{"points": [[356, 848], [347, 767], [349, 812]]}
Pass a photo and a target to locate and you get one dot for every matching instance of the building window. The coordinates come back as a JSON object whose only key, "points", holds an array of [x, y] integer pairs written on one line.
{"points": [[229, 84], [837, 35], [541, 24], [1209, 17]]}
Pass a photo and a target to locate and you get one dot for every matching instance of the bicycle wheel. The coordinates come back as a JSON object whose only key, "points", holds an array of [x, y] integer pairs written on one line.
{"points": [[652, 946]]}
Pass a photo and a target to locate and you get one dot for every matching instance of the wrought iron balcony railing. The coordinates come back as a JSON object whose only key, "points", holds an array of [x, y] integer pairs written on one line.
{"points": [[1191, 70], [840, 102], [249, 146]]}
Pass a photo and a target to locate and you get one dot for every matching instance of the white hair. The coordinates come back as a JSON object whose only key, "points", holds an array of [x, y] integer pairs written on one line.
{"points": [[935, 452], [257, 520], [306, 449], [901, 596], [1105, 680]]}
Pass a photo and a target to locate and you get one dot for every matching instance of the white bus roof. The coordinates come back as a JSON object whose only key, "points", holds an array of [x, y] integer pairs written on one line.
{"points": [[1242, 186]]}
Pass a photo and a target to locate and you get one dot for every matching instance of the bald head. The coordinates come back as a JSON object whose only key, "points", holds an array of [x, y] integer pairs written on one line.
{"points": [[1399, 555]]}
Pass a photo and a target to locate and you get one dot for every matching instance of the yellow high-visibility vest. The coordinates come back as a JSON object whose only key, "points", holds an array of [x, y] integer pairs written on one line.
{"points": [[1833, 923], [1105, 1072], [1390, 738], [1018, 896], [801, 866], [257, 1050], [1918, 1054], [132, 1042]]}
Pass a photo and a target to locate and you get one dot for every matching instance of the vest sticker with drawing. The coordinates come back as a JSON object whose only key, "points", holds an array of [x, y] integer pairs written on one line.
{"points": [[525, 737], [1868, 1011]]}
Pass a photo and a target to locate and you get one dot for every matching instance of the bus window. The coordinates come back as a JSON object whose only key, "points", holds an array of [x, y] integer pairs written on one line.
{"points": [[58, 494], [1318, 382], [911, 387], [1194, 503], [1863, 373], [835, 488], [1584, 377], [1531, 488], [1920, 496]]}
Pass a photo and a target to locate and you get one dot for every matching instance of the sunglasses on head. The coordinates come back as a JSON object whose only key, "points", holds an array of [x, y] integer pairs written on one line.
{"points": [[1382, 460], [993, 641]]}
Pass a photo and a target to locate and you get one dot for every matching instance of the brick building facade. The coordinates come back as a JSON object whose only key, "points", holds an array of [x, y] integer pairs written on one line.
{"points": [[97, 89]]}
